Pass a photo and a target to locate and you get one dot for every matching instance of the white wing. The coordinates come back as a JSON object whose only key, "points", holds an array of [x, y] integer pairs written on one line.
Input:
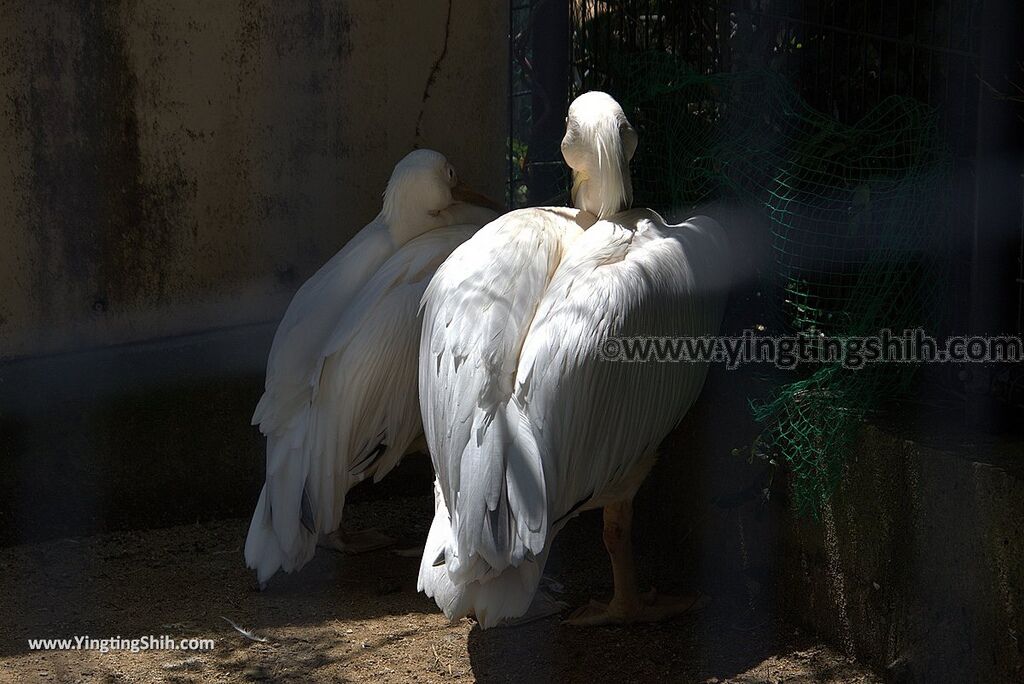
{"points": [[577, 431], [365, 410], [276, 538], [598, 422], [311, 316], [477, 311]]}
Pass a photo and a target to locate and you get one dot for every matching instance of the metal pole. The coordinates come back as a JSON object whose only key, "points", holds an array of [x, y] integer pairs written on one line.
{"points": [[550, 47], [999, 161]]}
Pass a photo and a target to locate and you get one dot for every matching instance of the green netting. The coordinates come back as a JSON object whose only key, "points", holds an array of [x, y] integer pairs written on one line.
{"points": [[857, 226]]}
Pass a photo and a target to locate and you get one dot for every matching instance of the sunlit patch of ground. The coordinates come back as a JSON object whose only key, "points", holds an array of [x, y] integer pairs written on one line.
{"points": [[353, 619]]}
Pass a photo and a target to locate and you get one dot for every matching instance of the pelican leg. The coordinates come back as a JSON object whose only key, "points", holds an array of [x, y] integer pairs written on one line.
{"points": [[628, 604], [618, 539]]}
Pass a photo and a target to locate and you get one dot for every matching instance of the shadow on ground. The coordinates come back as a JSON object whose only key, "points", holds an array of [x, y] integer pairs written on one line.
{"points": [[352, 618]]}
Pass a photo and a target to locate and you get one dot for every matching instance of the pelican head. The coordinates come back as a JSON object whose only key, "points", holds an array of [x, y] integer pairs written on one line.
{"points": [[423, 188], [420, 187], [599, 142]]}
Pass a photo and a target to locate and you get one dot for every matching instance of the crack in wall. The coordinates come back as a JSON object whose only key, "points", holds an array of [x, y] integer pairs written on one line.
{"points": [[432, 76]]}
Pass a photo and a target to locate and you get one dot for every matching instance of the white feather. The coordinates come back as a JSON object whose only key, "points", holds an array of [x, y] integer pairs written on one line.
{"points": [[365, 393], [531, 426]]}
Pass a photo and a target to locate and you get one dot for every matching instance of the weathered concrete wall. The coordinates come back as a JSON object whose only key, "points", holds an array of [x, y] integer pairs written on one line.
{"points": [[175, 167], [916, 567], [918, 563]]}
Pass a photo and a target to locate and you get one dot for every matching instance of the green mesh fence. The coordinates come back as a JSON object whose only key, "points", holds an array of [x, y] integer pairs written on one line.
{"points": [[858, 229]]}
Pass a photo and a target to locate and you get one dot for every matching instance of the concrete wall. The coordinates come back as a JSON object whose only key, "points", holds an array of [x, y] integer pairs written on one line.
{"points": [[168, 168], [917, 566]]}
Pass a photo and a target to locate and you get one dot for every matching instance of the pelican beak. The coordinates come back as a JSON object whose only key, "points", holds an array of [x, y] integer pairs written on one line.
{"points": [[464, 193]]}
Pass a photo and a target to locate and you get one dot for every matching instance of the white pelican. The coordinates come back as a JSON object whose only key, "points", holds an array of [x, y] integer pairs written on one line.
{"points": [[527, 426], [340, 403]]}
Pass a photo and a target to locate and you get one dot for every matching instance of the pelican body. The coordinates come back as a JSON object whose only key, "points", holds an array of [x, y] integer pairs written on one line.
{"points": [[340, 402], [526, 423]]}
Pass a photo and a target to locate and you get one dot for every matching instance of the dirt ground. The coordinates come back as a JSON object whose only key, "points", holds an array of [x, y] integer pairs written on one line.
{"points": [[351, 619]]}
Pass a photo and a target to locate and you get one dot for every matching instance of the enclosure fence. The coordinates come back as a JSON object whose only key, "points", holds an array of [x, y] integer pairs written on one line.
{"points": [[851, 126]]}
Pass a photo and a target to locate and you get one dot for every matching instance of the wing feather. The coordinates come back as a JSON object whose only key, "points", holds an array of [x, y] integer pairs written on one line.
{"points": [[598, 422], [477, 311], [277, 534], [364, 408], [308, 322], [526, 424]]}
